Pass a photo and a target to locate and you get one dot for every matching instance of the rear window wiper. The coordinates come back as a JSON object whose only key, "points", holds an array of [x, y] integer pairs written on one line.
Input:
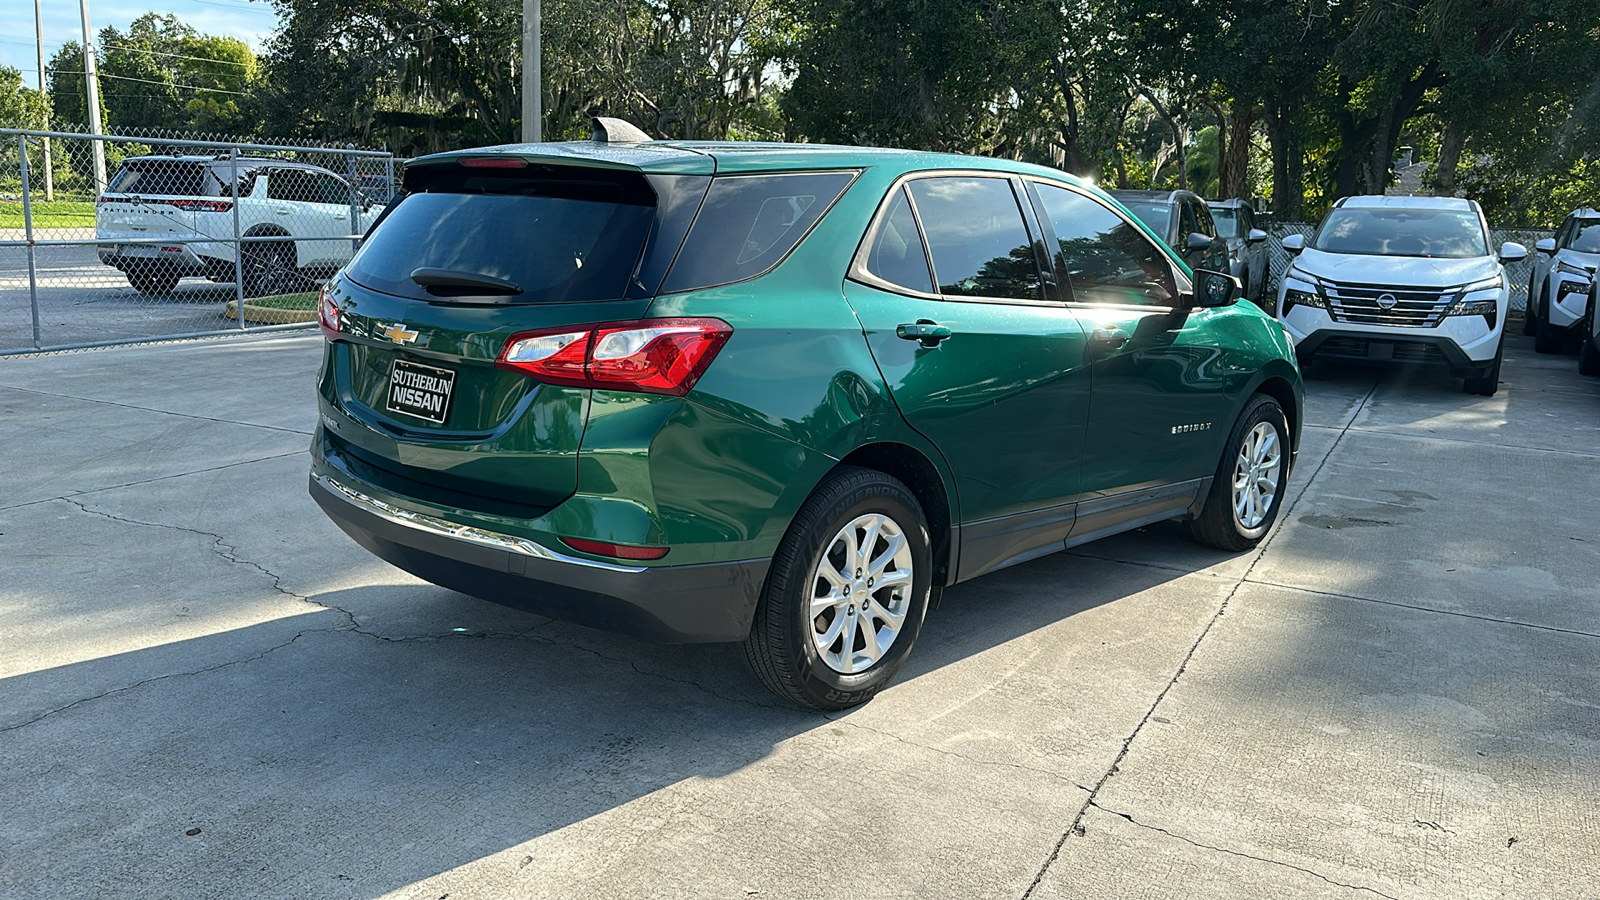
{"points": [[455, 282]]}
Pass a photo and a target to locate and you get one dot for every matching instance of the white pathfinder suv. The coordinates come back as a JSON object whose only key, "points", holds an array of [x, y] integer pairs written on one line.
{"points": [[189, 200], [1558, 290], [1400, 279]]}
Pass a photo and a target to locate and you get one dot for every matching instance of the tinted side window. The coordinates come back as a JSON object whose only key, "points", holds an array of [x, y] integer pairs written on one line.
{"points": [[1207, 224], [1186, 223], [332, 190], [976, 235], [1105, 259], [897, 255], [292, 185], [749, 222]]}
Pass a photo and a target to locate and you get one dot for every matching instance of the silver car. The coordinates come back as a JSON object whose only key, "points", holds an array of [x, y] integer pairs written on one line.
{"points": [[1558, 289], [1247, 248]]}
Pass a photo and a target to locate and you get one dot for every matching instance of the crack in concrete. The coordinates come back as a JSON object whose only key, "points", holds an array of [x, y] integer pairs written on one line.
{"points": [[164, 412], [1275, 862], [1127, 743], [1433, 438], [1426, 609], [113, 487]]}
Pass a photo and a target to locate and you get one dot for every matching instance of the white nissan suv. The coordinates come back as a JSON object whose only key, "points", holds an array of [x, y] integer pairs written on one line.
{"points": [[1558, 289], [1402, 280], [166, 217]]}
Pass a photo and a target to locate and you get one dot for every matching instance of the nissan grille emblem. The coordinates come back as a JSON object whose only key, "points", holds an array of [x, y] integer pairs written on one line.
{"points": [[1387, 301]]}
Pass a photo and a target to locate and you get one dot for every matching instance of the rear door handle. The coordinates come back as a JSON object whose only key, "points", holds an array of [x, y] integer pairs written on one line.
{"points": [[1113, 338], [926, 332]]}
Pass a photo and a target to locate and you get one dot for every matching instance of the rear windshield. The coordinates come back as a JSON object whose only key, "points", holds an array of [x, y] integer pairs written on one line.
{"points": [[559, 235], [1227, 222], [748, 223], [1155, 216], [1435, 233], [162, 177]]}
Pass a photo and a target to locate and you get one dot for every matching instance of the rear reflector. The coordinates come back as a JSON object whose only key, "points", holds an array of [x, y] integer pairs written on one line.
{"points": [[615, 551], [494, 162], [652, 356]]}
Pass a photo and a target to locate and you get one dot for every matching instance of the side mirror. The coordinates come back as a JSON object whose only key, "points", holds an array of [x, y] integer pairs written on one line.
{"points": [[1255, 236], [1511, 252], [1213, 289], [1294, 243], [1197, 241], [1547, 246]]}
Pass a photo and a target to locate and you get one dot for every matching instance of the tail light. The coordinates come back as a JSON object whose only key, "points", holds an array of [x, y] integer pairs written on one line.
{"points": [[328, 315], [652, 356], [202, 205]]}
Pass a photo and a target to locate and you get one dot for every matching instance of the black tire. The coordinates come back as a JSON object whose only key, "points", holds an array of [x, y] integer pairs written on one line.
{"points": [[1488, 383], [1588, 353], [1219, 524], [1530, 321], [1546, 338], [152, 279], [781, 648], [269, 269]]}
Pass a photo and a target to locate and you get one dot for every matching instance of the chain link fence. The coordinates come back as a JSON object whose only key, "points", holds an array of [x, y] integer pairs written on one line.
{"points": [[1519, 273], [119, 238]]}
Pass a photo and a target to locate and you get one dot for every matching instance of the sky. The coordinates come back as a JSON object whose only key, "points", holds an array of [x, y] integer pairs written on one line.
{"points": [[251, 21]]}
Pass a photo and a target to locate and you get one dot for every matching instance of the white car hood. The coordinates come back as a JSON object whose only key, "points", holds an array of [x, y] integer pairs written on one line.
{"points": [[1399, 271], [1579, 258]]}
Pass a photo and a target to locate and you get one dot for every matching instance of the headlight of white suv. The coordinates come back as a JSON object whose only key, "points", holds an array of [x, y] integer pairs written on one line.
{"points": [[1481, 298], [1576, 280], [1302, 289]]}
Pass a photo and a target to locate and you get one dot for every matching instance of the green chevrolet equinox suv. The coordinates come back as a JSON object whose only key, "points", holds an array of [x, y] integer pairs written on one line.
{"points": [[779, 394]]}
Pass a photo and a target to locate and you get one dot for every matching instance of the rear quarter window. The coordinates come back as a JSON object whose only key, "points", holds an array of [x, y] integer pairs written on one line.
{"points": [[748, 223]]}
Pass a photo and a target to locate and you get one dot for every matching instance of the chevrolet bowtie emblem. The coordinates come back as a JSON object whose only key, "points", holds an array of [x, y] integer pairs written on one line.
{"points": [[399, 333]]}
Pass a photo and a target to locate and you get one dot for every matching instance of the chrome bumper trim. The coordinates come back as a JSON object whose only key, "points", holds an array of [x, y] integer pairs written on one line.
{"points": [[466, 533]]}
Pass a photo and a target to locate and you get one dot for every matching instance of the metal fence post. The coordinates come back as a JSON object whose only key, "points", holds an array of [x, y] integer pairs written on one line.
{"points": [[27, 233], [355, 196], [238, 244]]}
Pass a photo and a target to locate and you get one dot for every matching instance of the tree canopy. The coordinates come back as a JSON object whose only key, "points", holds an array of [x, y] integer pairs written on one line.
{"points": [[1299, 101]]}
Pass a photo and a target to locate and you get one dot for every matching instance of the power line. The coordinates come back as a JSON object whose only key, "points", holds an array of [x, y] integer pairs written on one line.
{"points": [[192, 87], [132, 48]]}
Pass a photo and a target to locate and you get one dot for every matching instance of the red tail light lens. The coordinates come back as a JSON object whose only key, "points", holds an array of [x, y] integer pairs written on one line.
{"points": [[328, 316], [202, 205], [615, 551], [652, 356]]}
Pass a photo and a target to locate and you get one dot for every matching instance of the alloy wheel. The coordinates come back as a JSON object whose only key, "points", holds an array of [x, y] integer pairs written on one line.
{"points": [[1256, 474], [861, 591]]}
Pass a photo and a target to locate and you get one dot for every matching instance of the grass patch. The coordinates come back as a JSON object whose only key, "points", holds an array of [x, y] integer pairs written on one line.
{"points": [[49, 214], [286, 301]]}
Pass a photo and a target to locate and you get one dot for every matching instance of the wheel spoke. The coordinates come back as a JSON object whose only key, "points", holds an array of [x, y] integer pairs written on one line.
{"points": [[869, 541], [896, 542]]}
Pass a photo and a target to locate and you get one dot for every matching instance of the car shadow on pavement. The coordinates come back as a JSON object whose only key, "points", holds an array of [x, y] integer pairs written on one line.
{"points": [[327, 754]]}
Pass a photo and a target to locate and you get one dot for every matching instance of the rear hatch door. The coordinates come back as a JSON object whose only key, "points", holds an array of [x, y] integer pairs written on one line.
{"points": [[481, 248], [153, 198]]}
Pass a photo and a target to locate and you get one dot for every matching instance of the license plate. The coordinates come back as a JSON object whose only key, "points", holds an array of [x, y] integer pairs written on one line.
{"points": [[421, 391]]}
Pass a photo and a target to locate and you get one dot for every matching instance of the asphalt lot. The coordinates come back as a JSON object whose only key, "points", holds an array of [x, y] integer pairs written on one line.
{"points": [[82, 300], [206, 690]]}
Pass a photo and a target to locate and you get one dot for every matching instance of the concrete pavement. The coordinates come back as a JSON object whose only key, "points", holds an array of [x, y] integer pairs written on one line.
{"points": [[207, 690]]}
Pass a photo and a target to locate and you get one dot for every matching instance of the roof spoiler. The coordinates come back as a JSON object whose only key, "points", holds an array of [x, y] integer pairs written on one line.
{"points": [[606, 130]]}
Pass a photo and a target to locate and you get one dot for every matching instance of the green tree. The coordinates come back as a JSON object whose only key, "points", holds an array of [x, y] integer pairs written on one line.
{"points": [[21, 107]]}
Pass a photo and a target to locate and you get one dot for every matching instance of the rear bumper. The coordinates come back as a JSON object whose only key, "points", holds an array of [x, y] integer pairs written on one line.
{"points": [[675, 604]]}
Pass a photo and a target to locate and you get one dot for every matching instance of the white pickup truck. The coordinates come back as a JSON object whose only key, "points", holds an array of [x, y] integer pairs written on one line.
{"points": [[189, 200]]}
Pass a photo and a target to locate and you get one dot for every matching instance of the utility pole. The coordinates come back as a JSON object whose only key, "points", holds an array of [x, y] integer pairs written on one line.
{"points": [[532, 83], [38, 37], [92, 78]]}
